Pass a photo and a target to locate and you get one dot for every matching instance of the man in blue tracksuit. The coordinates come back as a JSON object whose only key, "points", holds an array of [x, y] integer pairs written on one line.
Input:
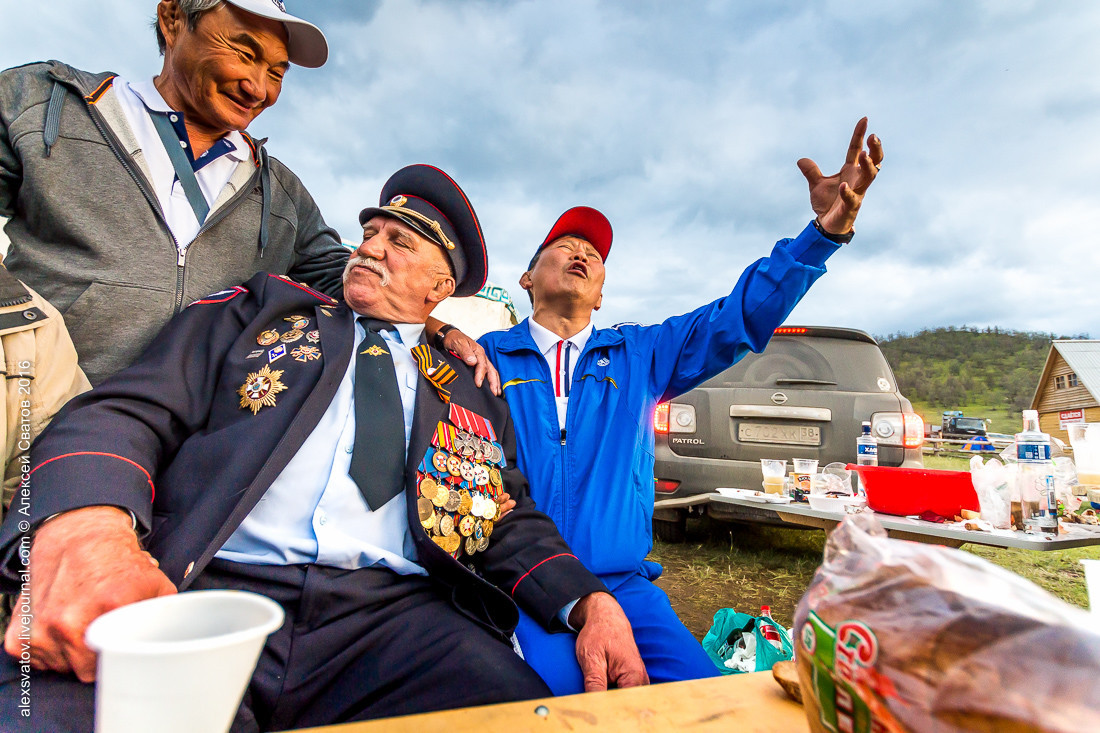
{"points": [[583, 398]]}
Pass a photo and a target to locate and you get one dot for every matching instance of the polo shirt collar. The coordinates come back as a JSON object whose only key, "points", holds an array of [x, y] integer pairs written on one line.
{"points": [[147, 92]]}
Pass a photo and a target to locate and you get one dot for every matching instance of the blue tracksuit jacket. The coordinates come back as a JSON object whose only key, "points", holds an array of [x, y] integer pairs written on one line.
{"points": [[595, 480]]}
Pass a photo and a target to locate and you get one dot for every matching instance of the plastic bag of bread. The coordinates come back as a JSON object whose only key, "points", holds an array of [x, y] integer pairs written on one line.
{"points": [[903, 636]]}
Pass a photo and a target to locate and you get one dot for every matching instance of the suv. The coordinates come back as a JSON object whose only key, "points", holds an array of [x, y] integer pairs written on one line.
{"points": [[805, 396]]}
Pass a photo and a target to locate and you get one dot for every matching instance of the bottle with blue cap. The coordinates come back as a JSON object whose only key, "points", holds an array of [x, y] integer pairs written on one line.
{"points": [[1035, 474]]}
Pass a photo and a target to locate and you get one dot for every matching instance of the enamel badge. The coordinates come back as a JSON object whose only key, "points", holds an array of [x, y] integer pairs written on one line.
{"points": [[306, 353], [374, 350], [260, 388], [267, 338]]}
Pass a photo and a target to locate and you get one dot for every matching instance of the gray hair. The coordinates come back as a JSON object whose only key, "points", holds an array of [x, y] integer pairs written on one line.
{"points": [[192, 10]]}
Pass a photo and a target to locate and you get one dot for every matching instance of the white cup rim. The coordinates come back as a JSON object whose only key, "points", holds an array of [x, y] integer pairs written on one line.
{"points": [[101, 627]]}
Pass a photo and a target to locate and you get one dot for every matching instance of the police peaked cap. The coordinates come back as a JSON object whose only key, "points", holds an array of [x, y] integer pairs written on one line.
{"points": [[428, 200]]}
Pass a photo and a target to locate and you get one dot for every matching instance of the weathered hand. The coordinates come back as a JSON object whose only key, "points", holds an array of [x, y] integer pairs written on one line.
{"points": [[83, 564], [836, 199], [605, 644], [470, 351]]}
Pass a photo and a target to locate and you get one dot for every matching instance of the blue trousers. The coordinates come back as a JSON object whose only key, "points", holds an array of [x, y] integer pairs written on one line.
{"points": [[668, 649]]}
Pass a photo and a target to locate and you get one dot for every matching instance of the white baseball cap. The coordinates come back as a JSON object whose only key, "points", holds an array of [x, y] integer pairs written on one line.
{"points": [[306, 44]]}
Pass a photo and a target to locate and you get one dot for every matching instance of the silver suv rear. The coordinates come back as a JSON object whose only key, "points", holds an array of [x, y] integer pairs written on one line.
{"points": [[805, 396]]}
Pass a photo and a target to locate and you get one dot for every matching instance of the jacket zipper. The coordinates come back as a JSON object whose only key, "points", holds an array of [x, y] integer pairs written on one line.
{"points": [[181, 253]]}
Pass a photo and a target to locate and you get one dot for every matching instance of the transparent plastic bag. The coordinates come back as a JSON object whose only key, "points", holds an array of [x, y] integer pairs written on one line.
{"points": [[993, 486], [904, 636]]}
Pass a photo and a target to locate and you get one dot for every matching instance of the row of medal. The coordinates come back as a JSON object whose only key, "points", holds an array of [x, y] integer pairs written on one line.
{"points": [[457, 486]]}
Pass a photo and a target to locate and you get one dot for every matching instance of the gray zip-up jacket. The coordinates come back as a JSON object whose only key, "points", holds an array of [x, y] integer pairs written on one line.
{"points": [[88, 233]]}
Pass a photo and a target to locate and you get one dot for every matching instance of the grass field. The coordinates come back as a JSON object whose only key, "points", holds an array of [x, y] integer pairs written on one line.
{"points": [[1002, 419], [746, 566]]}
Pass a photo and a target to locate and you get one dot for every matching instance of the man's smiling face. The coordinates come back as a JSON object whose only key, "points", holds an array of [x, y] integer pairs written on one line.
{"points": [[226, 70]]}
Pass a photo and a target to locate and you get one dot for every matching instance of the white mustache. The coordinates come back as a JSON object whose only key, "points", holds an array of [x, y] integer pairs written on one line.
{"points": [[371, 264]]}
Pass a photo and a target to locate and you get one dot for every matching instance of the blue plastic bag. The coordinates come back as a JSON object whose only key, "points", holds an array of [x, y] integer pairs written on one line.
{"points": [[720, 641]]}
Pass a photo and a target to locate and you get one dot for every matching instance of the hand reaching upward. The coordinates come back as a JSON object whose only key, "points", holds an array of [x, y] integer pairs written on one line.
{"points": [[836, 199]]}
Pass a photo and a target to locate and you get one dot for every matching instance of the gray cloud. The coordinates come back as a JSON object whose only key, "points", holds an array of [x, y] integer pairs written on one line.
{"points": [[683, 122]]}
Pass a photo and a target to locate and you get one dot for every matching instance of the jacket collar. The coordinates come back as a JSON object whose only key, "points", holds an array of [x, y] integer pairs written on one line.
{"points": [[518, 338]]}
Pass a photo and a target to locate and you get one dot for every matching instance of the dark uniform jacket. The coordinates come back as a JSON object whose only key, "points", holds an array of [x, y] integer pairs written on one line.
{"points": [[173, 440]]}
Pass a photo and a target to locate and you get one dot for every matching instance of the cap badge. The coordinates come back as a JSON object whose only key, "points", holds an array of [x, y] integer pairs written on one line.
{"points": [[374, 350], [398, 201]]}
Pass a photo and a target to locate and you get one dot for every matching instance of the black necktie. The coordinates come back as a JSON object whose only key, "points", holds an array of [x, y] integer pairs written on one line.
{"points": [[378, 458]]}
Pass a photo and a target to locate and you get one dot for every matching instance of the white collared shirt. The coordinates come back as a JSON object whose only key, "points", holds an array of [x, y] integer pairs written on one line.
{"points": [[314, 512], [562, 360], [136, 100]]}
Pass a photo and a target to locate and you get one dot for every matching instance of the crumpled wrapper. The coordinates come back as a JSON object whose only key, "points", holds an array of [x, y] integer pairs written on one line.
{"points": [[903, 636]]}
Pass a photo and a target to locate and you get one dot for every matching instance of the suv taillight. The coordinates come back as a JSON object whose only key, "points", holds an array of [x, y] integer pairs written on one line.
{"points": [[905, 429], [660, 418]]}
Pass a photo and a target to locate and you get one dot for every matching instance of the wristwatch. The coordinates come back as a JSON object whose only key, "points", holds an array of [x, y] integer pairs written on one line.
{"points": [[441, 334], [838, 238]]}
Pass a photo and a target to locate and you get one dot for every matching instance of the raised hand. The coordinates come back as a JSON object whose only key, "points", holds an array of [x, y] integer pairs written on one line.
{"points": [[836, 199]]}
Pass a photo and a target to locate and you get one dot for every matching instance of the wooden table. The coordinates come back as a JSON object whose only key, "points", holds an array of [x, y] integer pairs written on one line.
{"points": [[748, 703], [1078, 535]]}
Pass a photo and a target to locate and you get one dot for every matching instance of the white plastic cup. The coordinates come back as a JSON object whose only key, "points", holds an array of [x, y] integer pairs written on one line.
{"points": [[804, 470], [774, 472], [179, 663], [1092, 582]]}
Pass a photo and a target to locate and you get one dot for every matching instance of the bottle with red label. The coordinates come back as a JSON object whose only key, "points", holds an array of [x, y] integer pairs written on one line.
{"points": [[767, 628]]}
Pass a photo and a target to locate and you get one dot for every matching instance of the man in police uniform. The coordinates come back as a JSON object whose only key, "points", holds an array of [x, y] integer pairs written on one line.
{"points": [[583, 399], [272, 439]]}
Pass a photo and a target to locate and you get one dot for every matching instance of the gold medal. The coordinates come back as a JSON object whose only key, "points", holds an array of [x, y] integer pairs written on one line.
{"points": [[259, 389], [453, 501], [442, 542], [487, 528], [267, 338], [446, 525], [495, 479], [291, 336], [439, 460], [431, 523], [306, 353], [426, 487], [453, 543], [424, 508], [465, 502], [466, 525], [471, 546]]}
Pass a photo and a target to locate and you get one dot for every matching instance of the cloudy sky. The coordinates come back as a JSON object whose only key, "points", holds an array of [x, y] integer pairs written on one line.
{"points": [[682, 121]]}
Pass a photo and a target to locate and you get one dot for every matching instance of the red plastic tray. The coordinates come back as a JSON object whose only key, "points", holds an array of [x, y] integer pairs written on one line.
{"points": [[906, 491]]}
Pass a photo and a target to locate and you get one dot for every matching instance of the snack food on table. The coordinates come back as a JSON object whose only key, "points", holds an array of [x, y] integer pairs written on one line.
{"points": [[902, 636]]}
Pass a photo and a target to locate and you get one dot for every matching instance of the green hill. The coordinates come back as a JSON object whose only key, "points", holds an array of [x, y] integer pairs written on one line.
{"points": [[956, 368]]}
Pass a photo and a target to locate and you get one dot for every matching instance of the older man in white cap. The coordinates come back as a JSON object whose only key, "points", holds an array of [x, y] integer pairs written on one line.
{"points": [[129, 199]]}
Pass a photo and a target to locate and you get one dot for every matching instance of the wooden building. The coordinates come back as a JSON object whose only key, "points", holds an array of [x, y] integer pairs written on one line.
{"points": [[1069, 388]]}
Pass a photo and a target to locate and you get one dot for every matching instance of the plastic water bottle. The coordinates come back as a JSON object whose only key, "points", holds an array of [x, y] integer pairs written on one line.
{"points": [[866, 447], [1036, 474], [767, 628]]}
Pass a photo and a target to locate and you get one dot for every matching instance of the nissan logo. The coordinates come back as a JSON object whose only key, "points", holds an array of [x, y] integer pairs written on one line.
{"points": [[779, 398]]}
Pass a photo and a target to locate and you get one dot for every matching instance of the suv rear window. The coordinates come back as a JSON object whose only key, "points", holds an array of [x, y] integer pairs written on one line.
{"points": [[808, 362]]}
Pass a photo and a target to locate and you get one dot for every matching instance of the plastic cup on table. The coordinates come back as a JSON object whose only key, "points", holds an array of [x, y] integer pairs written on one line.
{"points": [[802, 476], [774, 473], [1092, 582], [179, 663]]}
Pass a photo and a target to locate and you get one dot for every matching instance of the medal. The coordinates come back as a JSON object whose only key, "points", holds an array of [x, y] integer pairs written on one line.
{"points": [[487, 528], [306, 353], [313, 336], [466, 469], [267, 338], [297, 322], [465, 502], [259, 389], [481, 475], [441, 541], [453, 501], [478, 531], [291, 336], [453, 543], [446, 525], [483, 544], [471, 545], [439, 460], [466, 525], [424, 508], [454, 465], [495, 479]]}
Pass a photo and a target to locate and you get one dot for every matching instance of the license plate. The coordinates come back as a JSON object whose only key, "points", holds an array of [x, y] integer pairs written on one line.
{"points": [[748, 432]]}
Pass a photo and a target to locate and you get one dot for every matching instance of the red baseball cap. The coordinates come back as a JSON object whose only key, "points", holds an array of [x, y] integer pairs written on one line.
{"points": [[586, 223]]}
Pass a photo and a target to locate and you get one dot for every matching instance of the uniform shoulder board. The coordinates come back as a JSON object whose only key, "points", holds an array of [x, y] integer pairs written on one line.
{"points": [[618, 326], [222, 296], [320, 296]]}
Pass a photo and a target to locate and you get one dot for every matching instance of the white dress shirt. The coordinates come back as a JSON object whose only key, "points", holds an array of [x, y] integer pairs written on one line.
{"points": [[314, 512], [561, 356], [136, 100]]}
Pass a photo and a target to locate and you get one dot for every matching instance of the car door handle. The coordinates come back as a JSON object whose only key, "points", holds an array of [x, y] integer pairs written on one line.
{"points": [[822, 414]]}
